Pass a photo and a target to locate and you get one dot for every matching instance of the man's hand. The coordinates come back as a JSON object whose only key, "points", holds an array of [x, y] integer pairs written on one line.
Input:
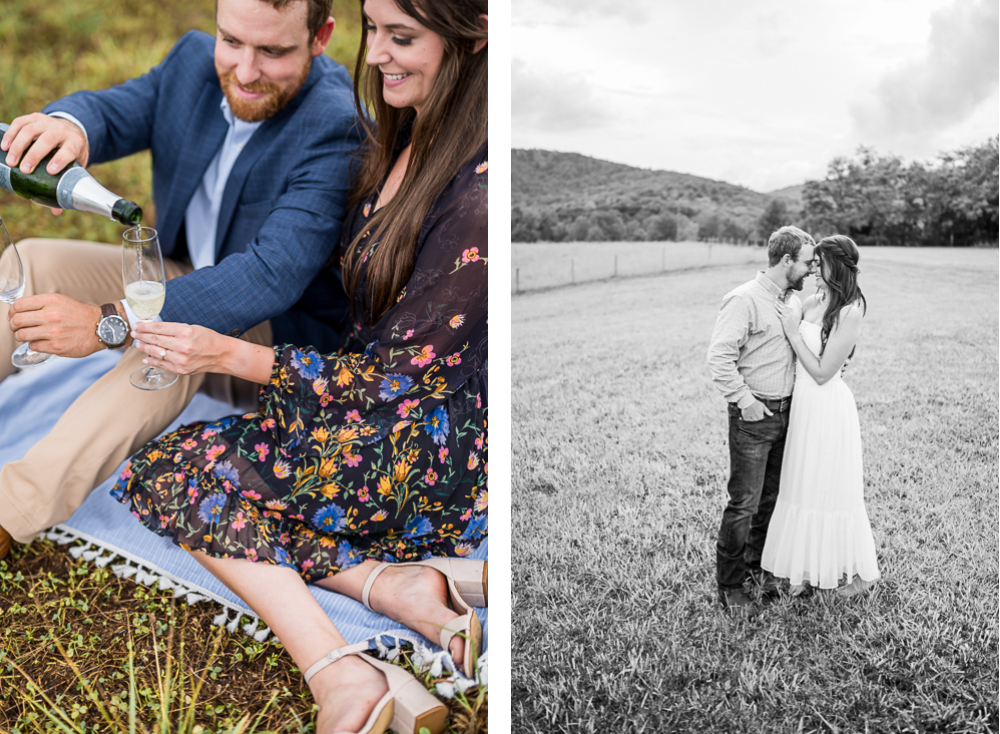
{"points": [[41, 134], [755, 412], [56, 324]]}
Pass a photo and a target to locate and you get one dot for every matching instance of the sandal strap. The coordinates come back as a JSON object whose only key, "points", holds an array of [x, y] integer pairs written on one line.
{"points": [[333, 656], [371, 580], [459, 625]]}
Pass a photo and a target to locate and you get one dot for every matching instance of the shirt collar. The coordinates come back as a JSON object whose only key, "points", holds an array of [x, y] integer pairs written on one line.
{"points": [[234, 121], [771, 286]]}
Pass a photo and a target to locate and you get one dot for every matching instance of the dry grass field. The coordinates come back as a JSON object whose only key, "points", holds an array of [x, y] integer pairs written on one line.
{"points": [[620, 463], [542, 265]]}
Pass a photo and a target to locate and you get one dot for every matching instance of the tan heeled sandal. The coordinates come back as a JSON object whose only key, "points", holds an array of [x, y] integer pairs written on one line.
{"points": [[407, 707], [467, 588], [467, 578]]}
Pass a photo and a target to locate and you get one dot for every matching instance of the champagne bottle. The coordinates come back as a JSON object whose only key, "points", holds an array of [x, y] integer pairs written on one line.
{"points": [[71, 188]]}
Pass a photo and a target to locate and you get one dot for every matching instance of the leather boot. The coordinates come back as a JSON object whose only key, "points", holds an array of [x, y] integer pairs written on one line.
{"points": [[5, 543]]}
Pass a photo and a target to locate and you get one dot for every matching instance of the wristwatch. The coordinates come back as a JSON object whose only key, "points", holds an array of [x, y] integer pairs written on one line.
{"points": [[112, 329]]}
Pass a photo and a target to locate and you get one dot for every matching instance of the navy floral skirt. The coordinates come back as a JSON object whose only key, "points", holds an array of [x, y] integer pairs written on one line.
{"points": [[320, 494]]}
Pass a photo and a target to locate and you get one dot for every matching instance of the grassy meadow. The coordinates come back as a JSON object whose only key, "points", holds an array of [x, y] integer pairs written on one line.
{"points": [[620, 463], [80, 649], [540, 265]]}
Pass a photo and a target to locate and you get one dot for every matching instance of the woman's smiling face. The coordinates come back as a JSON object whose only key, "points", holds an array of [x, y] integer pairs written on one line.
{"points": [[407, 53]]}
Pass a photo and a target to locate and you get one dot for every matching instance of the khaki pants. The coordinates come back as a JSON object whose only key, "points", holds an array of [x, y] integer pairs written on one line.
{"points": [[111, 419]]}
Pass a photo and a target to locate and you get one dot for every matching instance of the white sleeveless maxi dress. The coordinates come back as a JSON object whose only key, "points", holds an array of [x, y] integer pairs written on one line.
{"points": [[819, 533]]}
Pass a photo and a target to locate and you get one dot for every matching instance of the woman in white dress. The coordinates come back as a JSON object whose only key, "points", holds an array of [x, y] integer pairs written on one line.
{"points": [[819, 532]]}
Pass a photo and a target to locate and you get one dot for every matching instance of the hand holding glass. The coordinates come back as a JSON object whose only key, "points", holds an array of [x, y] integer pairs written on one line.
{"points": [[145, 290], [12, 288]]}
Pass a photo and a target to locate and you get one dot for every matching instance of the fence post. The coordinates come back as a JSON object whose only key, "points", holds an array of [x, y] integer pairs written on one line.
{"points": [[517, 280]]}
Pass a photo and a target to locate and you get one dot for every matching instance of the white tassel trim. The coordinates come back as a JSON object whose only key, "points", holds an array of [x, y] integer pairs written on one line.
{"points": [[78, 550], [124, 570], [438, 662]]}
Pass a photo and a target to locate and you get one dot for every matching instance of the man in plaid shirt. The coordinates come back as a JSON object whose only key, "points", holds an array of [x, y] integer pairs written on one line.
{"points": [[753, 366]]}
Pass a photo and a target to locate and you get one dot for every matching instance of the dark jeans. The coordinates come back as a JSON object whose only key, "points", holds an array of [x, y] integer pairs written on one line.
{"points": [[755, 451]]}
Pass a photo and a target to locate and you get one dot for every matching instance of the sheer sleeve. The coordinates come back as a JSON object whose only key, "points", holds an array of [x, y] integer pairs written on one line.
{"points": [[427, 346]]}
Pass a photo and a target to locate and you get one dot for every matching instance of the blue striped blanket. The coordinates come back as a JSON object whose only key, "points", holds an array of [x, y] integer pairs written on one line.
{"points": [[104, 532]]}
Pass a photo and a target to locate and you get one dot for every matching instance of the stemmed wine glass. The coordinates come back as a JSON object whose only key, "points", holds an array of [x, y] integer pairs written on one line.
{"points": [[145, 290], [12, 288]]}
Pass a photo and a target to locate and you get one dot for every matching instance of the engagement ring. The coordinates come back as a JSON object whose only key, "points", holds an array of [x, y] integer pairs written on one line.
{"points": [[163, 353]]}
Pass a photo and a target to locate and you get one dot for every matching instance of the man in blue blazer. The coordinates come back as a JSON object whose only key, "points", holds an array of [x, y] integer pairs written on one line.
{"points": [[251, 135]]}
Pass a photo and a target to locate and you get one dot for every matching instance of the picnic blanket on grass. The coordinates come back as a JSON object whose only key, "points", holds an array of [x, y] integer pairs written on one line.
{"points": [[106, 532]]}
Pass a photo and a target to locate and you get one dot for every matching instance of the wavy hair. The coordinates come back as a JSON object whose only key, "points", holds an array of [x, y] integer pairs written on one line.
{"points": [[839, 267], [451, 128]]}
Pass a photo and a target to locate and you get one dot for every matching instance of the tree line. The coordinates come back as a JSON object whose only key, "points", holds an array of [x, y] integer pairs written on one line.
{"points": [[882, 200], [875, 199]]}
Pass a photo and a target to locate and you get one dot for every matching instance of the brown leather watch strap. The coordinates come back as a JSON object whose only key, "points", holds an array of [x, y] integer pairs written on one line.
{"points": [[108, 309]]}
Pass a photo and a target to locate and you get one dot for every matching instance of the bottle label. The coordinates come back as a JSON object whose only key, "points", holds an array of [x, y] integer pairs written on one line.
{"points": [[64, 191]]}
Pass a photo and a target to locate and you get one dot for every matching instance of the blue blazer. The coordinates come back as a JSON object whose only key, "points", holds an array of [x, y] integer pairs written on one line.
{"points": [[284, 201]]}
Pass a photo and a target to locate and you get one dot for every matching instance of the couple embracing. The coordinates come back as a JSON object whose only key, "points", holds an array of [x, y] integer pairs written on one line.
{"points": [[796, 506]]}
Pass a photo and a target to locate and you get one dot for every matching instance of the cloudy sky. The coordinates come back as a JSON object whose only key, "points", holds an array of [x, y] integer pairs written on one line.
{"points": [[763, 93]]}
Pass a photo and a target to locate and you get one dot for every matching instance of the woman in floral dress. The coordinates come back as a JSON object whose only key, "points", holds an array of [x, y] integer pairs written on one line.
{"points": [[375, 456]]}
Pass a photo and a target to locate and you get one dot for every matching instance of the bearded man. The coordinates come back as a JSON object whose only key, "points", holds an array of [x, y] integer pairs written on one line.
{"points": [[251, 135], [753, 366]]}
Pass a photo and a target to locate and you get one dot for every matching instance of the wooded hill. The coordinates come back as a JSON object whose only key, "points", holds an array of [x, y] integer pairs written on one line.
{"points": [[571, 197]]}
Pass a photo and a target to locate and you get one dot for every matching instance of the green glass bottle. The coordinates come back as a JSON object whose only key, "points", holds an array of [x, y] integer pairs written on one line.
{"points": [[71, 188]]}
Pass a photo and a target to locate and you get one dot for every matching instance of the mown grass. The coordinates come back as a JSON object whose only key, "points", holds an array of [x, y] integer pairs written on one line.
{"points": [[53, 609], [620, 462]]}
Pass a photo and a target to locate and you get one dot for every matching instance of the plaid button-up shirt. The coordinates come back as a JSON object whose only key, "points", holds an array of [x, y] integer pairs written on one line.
{"points": [[749, 355]]}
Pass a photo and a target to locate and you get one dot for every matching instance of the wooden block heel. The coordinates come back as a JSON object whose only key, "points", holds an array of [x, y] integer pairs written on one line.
{"points": [[416, 708], [406, 707]]}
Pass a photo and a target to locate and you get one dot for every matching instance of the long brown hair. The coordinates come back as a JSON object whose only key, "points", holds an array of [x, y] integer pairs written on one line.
{"points": [[451, 127], [839, 267]]}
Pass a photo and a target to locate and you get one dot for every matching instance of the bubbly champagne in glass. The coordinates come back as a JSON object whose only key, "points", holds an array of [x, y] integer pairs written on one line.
{"points": [[145, 298], [145, 290]]}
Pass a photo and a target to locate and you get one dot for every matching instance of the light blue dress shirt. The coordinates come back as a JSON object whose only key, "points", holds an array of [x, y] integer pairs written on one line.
{"points": [[202, 216]]}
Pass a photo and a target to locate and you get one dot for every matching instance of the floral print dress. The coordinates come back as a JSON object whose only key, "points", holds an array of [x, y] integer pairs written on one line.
{"points": [[377, 453]]}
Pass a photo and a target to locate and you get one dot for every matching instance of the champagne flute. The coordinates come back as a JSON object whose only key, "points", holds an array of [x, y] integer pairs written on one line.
{"points": [[12, 288], [145, 289]]}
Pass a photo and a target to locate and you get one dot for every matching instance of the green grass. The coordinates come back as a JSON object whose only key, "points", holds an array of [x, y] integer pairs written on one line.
{"points": [[620, 462], [54, 610]]}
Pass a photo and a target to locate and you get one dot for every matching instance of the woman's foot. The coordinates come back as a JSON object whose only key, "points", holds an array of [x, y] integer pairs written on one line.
{"points": [[417, 597], [347, 692], [857, 586]]}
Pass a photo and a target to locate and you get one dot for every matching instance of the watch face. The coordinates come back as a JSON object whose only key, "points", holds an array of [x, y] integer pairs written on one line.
{"points": [[112, 330]]}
